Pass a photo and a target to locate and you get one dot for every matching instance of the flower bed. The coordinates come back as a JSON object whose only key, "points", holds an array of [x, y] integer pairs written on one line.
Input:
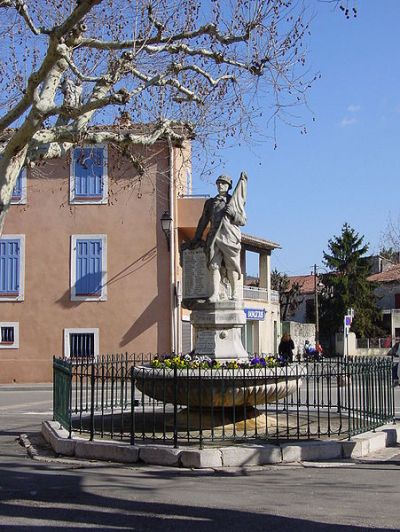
{"points": [[205, 362]]}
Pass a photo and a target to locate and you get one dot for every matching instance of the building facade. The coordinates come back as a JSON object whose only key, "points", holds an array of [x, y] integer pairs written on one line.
{"points": [[86, 268], [388, 295]]}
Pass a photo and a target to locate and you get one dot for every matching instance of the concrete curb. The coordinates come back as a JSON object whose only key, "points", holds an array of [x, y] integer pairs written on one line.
{"points": [[241, 455]]}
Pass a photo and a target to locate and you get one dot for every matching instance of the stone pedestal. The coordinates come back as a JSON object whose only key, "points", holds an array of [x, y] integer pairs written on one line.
{"points": [[218, 329]]}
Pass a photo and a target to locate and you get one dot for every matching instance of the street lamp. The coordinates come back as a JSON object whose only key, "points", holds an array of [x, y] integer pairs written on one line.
{"points": [[317, 285], [316, 306], [166, 224]]}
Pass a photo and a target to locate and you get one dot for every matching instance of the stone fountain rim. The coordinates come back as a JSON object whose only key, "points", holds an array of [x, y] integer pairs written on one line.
{"points": [[297, 370]]}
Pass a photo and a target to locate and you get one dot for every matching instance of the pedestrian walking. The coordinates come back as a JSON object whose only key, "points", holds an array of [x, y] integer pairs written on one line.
{"points": [[285, 349]]}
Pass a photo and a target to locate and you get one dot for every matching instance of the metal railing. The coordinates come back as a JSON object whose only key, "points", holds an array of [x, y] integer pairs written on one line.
{"points": [[376, 343], [274, 296], [255, 293], [122, 397]]}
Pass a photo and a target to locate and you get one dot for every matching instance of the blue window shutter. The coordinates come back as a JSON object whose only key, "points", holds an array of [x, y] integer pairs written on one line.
{"points": [[9, 266], [88, 267], [88, 167], [17, 192]]}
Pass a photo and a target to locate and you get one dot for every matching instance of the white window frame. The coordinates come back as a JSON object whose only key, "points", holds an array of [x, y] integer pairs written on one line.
{"points": [[68, 332], [23, 199], [80, 201], [103, 295], [15, 325], [21, 295]]}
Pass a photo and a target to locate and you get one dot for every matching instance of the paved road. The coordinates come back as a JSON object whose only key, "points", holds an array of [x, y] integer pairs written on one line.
{"points": [[77, 495]]}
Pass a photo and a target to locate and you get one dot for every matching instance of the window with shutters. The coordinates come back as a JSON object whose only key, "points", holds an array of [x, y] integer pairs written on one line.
{"points": [[81, 343], [9, 335], [12, 267], [88, 267], [89, 177], [19, 193]]}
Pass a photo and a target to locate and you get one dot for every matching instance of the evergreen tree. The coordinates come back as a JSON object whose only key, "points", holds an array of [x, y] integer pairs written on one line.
{"points": [[346, 286]]}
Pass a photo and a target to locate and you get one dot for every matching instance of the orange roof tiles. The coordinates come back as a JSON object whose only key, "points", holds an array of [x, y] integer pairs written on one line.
{"points": [[390, 275], [306, 283]]}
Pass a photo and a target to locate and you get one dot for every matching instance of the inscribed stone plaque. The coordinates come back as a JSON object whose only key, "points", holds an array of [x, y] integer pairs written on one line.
{"points": [[205, 343], [195, 273]]}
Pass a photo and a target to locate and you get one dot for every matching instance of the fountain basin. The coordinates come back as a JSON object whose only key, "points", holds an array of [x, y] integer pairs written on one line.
{"points": [[205, 388]]}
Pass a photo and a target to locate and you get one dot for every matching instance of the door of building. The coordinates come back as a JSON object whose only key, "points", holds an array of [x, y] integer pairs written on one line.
{"points": [[250, 336]]}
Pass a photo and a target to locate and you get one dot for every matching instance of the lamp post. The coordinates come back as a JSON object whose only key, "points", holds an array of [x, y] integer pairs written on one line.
{"points": [[166, 224], [316, 304], [325, 292], [317, 286]]}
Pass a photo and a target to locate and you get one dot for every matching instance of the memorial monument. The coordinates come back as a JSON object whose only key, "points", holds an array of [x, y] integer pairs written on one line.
{"points": [[212, 277], [225, 394]]}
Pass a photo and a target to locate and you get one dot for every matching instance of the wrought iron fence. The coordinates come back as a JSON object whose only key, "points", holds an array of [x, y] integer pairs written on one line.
{"points": [[123, 397]]}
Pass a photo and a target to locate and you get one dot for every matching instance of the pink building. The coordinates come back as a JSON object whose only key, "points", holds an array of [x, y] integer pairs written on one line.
{"points": [[85, 266]]}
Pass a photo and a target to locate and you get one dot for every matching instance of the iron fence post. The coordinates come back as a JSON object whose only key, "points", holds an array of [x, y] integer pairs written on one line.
{"points": [[54, 386], [70, 401], [175, 407], [92, 386], [390, 378], [133, 384], [347, 384]]}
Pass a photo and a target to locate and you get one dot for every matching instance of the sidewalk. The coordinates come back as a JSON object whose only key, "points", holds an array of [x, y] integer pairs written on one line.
{"points": [[36, 387]]}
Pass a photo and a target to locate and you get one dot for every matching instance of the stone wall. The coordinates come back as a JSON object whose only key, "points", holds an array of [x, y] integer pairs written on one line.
{"points": [[300, 332], [353, 350]]}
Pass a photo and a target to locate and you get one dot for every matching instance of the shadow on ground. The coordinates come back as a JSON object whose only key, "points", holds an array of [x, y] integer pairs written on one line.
{"points": [[49, 498]]}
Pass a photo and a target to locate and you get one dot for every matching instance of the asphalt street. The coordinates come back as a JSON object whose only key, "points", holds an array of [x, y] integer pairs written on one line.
{"points": [[59, 493]]}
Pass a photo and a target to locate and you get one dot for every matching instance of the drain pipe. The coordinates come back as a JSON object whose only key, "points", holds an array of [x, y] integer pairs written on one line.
{"points": [[172, 246]]}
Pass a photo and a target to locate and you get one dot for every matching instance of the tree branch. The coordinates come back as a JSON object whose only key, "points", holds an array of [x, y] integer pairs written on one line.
{"points": [[78, 73], [118, 98], [217, 57], [52, 56], [70, 134], [22, 9], [205, 74], [207, 29]]}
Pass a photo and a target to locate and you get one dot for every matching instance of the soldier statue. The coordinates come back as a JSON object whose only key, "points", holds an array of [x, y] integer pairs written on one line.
{"points": [[224, 214]]}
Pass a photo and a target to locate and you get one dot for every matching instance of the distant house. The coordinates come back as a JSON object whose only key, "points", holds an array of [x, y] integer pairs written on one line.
{"points": [[388, 293], [383, 272], [305, 312]]}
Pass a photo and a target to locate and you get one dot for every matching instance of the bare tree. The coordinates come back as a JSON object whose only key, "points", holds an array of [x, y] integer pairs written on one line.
{"points": [[390, 240], [289, 293], [68, 65]]}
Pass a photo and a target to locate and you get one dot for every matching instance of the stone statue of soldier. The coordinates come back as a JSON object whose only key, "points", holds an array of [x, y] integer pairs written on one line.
{"points": [[224, 214]]}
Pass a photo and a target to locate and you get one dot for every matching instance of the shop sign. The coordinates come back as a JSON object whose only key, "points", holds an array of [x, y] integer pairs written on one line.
{"points": [[255, 313]]}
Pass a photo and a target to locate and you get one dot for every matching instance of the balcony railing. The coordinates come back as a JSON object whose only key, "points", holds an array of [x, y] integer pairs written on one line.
{"points": [[260, 294], [376, 343], [274, 296]]}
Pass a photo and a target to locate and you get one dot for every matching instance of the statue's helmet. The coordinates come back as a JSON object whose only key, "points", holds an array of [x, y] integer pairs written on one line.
{"points": [[225, 179]]}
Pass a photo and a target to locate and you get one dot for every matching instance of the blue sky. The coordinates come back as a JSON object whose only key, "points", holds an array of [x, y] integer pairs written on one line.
{"points": [[346, 168]]}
